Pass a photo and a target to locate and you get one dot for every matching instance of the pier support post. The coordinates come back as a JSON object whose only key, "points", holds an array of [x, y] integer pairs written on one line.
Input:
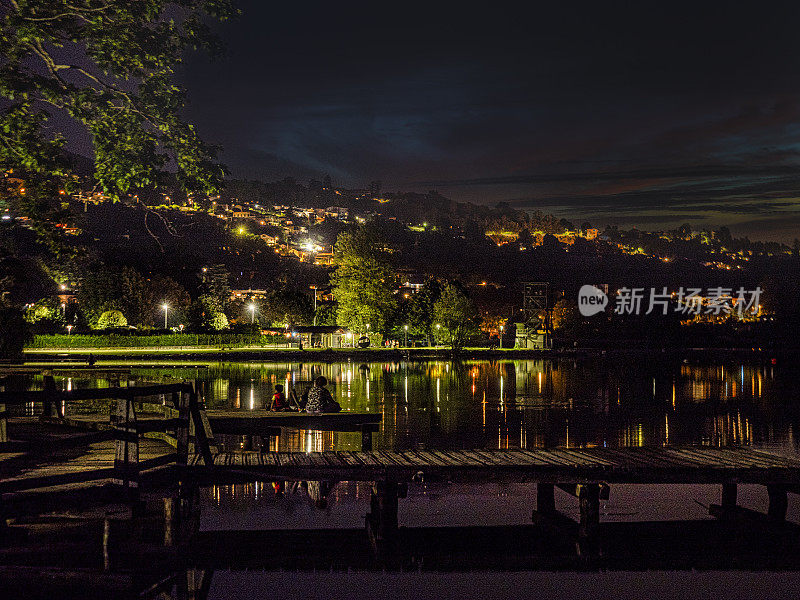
{"points": [[172, 520], [180, 400], [126, 449], [728, 496], [589, 498], [3, 424], [545, 498], [366, 439], [382, 519], [778, 503]]}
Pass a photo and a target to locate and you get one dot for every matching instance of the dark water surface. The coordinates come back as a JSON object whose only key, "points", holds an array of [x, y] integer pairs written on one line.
{"points": [[521, 403], [509, 404]]}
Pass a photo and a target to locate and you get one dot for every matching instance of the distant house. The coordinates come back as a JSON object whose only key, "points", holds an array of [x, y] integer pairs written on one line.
{"points": [[241, 214], [321, 336], [243, 294], [411, 283], [337, 212], [271, 240]]}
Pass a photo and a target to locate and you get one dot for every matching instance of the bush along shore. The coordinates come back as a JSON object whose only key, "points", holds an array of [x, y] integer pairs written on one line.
{"points": [[153, 341]]}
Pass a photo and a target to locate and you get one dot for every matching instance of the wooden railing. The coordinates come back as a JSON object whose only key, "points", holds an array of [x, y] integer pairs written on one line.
{"points": [[182, 424]]}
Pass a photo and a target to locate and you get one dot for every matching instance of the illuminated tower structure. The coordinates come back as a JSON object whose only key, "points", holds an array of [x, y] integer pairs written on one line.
{"points": [[534, 328]]}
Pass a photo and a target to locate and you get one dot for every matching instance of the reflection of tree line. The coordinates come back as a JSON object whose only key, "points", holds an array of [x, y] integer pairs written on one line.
{"points": [[544, 403], [289, 495]]}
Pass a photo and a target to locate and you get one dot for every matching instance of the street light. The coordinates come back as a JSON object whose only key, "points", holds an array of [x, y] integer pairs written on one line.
{"points": [[165, 306], [313, 287], [501, 336], [69, 329], [405, 327], [252, 308], [438, 327]]}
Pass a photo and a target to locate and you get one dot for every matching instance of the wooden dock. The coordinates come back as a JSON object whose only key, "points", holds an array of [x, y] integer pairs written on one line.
{"points": [[687, 464], [120, 456]]}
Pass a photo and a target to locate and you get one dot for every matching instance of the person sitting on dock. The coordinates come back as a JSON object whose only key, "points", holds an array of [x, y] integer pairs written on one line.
{"points": [[320, 399], [279, 401]]}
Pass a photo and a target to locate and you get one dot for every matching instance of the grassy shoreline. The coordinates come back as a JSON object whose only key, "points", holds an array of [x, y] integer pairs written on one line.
{"points": [[80, 356]]}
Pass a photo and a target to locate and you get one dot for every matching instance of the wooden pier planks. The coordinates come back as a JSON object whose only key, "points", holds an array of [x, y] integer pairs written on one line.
{"points": [[693, 464]]}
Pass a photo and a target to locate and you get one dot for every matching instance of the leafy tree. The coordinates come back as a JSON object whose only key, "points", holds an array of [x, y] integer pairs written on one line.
{"points": [[132, 294], [285, 308], [419, 311], [216, 285], [111, 318], [204, 314], [363, 281], [565, 314], [455, 316], [46, 311], [162, 290], [98, 293], [326, 314], [108, 67], [15, 332], [219, 321]]}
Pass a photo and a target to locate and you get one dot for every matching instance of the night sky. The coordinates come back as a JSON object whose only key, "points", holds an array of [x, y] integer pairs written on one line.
{"points": [[645, 114]]}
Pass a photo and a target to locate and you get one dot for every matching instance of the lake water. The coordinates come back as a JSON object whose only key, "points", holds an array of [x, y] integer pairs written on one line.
{"points": [[648, 400], [521, 403]]}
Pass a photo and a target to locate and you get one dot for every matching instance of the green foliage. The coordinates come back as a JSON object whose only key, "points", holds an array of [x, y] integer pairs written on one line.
{"points": [[364, 281], [46, 311], [111, 318], [456, 315], [420, 310], [326, 314], [132, 294], [565, 314], [216, 286], [205, 313], [219, 321], [107, 65], [284, 308], [228, 340]]}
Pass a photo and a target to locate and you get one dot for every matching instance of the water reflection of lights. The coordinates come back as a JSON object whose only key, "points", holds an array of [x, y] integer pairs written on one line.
{"points": [[526, 404]]}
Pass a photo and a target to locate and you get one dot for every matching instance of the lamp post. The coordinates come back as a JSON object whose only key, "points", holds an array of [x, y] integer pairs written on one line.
{"points": [[252, 308], [313, 287], [69, 329], [501, 336], [165, 306], [405, 328], [438, 327]]}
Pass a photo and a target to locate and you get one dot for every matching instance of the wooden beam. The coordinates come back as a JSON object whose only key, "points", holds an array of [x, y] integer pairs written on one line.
{"points": [[126, 448], [545, 498], [109, 393], [181, 400], [576, 489], [778, 503], [201, 439], [589, 502], [728, 496], [3, 424], [366, 439], [382, 519]]}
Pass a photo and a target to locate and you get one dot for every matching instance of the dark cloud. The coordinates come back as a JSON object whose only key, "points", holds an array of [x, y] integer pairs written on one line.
{"points": [[624, 107]]}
